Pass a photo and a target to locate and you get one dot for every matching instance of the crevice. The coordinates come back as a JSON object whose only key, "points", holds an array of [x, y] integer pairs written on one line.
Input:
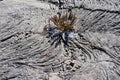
{"points": [[117, 61], [92, 10], [6, 38], [59, 3], [11, 77]]}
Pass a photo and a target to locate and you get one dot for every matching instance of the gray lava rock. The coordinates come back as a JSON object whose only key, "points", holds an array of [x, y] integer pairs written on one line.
{"points": [[93, 55]]}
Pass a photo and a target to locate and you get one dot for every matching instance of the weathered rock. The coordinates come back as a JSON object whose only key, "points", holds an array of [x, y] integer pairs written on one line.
{"points": [[94, 55]]}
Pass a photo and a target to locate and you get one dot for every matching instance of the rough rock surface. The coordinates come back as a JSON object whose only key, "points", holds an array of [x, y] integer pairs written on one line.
{"points": [[95, 55]]}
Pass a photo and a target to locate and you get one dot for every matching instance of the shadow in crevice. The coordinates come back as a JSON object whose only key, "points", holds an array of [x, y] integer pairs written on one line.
{"points": [[92, 10], [58, 3]]}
